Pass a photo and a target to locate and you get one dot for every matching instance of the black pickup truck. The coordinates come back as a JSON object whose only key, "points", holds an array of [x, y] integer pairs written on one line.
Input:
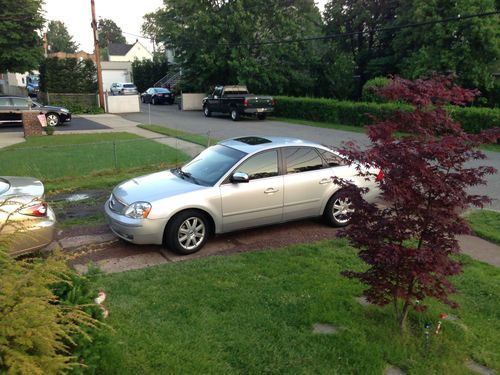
{"points": [[236, 101]]}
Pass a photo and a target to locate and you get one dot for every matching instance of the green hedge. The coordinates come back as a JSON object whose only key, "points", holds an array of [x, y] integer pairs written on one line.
{"points": [[473, 119]]}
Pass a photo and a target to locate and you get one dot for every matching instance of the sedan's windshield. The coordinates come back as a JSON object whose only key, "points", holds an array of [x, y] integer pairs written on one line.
{"points": [[209, 166]]}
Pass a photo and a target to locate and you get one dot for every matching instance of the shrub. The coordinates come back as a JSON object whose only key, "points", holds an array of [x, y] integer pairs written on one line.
{"points": [[68, 75], [371, 87], [472, 119]]}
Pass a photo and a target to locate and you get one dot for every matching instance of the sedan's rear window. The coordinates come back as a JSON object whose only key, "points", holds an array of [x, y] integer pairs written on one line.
{"points": [[129, 86], [163, 91]]}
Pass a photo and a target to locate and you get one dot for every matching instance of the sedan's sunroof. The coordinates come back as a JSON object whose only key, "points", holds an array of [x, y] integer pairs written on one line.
{"points": [[252, 141]]}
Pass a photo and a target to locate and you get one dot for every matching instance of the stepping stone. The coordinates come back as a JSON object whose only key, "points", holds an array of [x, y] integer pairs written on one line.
{"points": [[325, 329], [393, 370], [479, 369]]}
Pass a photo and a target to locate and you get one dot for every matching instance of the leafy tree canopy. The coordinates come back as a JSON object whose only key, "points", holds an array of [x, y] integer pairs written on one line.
{"points": [[58, 38], [215, 42], [109, 32], [20, 45]]}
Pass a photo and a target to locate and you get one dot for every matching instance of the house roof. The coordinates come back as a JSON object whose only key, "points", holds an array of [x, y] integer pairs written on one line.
{"points": [[118, 49]]}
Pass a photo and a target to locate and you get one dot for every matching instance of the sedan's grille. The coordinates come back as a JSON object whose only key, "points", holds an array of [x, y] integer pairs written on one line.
{"points": [[115, 205]]}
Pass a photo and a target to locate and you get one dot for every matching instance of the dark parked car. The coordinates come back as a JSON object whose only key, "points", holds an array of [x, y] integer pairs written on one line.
{"points": [[12, 107], [158, 95], [237, 101]]}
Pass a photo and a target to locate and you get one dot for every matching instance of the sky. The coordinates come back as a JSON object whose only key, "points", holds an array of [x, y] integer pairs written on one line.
{"points": [[127, 14]]}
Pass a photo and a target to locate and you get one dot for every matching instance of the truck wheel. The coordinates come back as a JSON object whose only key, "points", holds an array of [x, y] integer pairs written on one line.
{"points": [[235, 115], [261, 116], [206, 111]]}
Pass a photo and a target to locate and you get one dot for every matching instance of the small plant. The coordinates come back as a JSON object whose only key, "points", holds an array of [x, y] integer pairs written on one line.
{"points": [[408, 245], [49, 130]]}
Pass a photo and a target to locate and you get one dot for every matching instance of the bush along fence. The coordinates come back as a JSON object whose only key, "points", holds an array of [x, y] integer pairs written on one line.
{"points": [[472, 119]]}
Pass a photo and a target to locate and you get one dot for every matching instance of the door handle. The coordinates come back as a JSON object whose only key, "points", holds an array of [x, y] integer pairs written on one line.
{"points": [[270, 191], [325, 181]]}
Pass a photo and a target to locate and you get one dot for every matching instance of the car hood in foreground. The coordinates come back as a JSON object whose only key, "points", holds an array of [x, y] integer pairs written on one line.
{"points": [[20, 186], [154, 187]]}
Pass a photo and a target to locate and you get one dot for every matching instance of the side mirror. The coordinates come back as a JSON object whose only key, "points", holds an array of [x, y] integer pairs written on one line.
{"points": [[240, 177]]}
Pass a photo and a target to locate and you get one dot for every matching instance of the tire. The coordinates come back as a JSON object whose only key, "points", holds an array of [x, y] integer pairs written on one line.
{"points": [[154, 101], [143, 100], [206, 111], [261, 116], [235, 115], [338, 210], [52, 119], [187, 232]]}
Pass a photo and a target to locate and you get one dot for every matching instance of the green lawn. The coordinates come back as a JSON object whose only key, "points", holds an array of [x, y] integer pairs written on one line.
{"points": [[253, 314], [317, 124], [86, 160], [189, 137], [485, 224]]}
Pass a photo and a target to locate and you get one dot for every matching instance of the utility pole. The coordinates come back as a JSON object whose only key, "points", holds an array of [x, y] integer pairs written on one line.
{"points": [[97, 55]]}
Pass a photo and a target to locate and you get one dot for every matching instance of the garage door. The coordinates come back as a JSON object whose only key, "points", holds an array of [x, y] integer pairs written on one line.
{"points": [[112, 76]]}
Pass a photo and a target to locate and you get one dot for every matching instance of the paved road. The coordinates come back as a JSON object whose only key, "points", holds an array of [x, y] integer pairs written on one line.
{"points": [[221, 127], [77, 123]]}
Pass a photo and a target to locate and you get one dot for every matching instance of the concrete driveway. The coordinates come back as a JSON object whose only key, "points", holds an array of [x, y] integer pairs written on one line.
{"points": [[221, 127]]}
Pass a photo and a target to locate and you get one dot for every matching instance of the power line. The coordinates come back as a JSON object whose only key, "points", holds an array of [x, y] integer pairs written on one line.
{"points": [[354, 33]]}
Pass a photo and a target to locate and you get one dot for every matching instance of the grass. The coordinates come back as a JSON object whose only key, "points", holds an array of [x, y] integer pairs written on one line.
{"points": [[317, 124], [253, 313], [495, 147], [86, 160], [485, 224], [179, 134]]}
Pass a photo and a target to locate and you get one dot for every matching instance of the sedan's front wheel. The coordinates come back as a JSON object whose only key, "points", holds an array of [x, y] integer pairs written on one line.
{"points": [[187, 232], [52, 119], [339, 210]]}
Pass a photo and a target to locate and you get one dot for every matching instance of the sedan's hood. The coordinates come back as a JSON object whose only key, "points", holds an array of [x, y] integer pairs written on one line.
{"points": [[153, 187], [15, 186], [52, 108]]}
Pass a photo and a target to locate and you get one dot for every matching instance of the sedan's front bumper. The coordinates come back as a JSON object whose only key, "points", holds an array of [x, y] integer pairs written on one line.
{"points": [[138, 231]]}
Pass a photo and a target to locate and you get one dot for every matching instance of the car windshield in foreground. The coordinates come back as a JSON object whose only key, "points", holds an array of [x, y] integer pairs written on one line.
{"points": [[210, 165]]}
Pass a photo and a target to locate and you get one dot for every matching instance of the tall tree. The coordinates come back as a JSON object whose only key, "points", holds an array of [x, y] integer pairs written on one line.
{"points": [[20, 44], [59, 39], [109, 32], [360, 19], [233, 42], [468, 47]]}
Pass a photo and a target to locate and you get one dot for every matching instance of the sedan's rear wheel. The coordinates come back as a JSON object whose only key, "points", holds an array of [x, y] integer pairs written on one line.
{"points": [[339, 210], [187, 232], [52, 119], [154, 101]]}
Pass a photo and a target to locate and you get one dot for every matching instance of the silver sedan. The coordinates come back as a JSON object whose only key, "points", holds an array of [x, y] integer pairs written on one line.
{"points": [[27, 222], [237, 184]]}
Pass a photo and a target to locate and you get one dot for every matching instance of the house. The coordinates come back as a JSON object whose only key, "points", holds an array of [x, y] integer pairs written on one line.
{"points": [[128, 52], [115, 71], [80, 55]]}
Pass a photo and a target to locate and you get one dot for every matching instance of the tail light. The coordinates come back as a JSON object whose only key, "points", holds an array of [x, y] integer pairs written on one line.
{"points": [[245, 102], [160, 94], [380, 176], [273, 101], [39, 210]]}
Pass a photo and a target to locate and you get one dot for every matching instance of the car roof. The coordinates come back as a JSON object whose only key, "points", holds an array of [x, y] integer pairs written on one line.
{"points": [[252, 144]]}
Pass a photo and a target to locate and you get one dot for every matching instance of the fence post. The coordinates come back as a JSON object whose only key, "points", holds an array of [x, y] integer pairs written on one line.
{"points": [[115, 157]]}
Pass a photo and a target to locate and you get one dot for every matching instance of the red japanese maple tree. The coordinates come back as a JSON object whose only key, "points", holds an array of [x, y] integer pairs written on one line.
{"points": [[422, 154]]}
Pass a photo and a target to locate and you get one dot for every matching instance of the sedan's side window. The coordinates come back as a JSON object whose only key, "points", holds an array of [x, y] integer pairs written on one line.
{"points": [[331, 159], [302, 159], [20, 102], [261, 165]]}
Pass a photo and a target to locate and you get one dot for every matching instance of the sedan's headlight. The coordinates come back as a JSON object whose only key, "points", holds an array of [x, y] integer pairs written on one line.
{"points": [[138, 210], [64, 110]]}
